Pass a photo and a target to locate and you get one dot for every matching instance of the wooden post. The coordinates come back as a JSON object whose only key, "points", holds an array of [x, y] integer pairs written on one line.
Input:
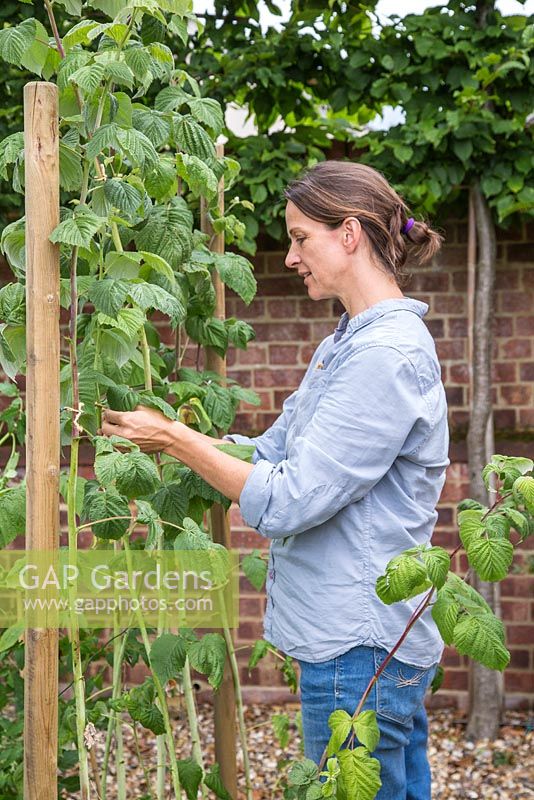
{"points": [[224, 699], [41, 158]]}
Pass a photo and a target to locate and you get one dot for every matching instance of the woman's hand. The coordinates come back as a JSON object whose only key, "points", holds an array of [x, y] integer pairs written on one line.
{"points": [[146, 427]]}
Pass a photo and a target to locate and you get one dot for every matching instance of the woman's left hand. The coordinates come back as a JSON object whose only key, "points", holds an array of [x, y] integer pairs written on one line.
{"points": [[146, 427]]}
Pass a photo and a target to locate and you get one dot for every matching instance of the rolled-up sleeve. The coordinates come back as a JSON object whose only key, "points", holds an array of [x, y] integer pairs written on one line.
{"points": [[360, 424], [271, 445]]}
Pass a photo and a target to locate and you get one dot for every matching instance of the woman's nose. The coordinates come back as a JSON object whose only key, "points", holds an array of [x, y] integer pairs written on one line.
{"points": [[292, 259]]}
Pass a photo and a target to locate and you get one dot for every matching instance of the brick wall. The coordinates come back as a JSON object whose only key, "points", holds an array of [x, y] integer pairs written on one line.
{"points": [[289, 326]]}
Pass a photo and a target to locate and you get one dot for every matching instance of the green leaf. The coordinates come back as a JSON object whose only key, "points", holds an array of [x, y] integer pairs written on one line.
{"points": [[129, 321], [122, 195], [108, 295], [88, 77], [437, 680], [122, 398], [340, 723], [445, 612], [477, 638], [491, 558], [255, 569], [171, 98], [199, 177], [170, 502], [149, 399], [153, 124], [15, 41], [360, 774], [213, 781], [236, 272], [280, 723], [366, 729], [167, 656], [12, 349], [190, 774], [158, 264], [191, 138], [168, 233], [119, 73], [79, 229], [209, 332], [220, 405], [463, 148], [13, 245], [259, 651], [149, 296], [437, 562], [12, 514], [11, 636], [101, 504], [208, 656], [11, 148], [405, 577], [150, 717], [13, 304], [208, 111], [70, 168], [303, 772], [524, 487], [136, 474]]}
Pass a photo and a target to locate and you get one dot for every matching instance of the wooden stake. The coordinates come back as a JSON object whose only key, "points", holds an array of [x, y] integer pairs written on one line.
{"points": [[41, 155], [224, 698]]}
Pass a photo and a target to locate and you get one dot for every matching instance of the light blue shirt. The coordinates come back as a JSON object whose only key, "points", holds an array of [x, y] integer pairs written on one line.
{"points": [[348, 477]]}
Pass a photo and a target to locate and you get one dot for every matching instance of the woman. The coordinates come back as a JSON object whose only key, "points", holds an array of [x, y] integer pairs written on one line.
{"points": [[349, 474]]}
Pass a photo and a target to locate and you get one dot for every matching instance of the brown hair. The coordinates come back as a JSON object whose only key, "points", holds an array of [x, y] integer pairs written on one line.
{"points": [[334, 190]]}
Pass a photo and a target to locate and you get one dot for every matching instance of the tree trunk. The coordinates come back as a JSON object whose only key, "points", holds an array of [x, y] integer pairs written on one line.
{"points": [[486, 686]]}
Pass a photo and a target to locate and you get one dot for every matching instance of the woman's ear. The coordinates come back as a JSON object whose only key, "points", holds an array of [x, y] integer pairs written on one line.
{"points": [[351, 232]]}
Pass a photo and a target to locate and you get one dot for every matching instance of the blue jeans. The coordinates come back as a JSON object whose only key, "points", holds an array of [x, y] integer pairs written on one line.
{"points": [[397, 697]]}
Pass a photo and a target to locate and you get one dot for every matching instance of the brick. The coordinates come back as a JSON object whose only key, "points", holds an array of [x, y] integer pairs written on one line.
{"points": [[250, 607], [254, 354], [249, 631], [520, 659], [456, 679], [516, 348], [459, 280], [504, 419], [283, 353], [306, 353], [524, 326], [526, 371], [519, 681], [457, 326], [459, 373], [515, 611], [274, 263], [242, 376], [517, 395], [278, 377], [320, 330], [430, 282], [282, 286], [448, 304], [316, 309], [446, 539], [280, 396], [282, 309], [503, 326], [519, 252], [504, 372], [514, 301], [436, 328], [459, 420], [236, 308], [526, 417], [445, 516], [452, 256], [451, 658], [283, 332], [247, 539], [507, 279], [455, 395], [518, 586], [453, 349]]}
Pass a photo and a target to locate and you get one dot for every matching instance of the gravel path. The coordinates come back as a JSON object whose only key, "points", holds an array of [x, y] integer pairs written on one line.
{"points": [[500, 770]]}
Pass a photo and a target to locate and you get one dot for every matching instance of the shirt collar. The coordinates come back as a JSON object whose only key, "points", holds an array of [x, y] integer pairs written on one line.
{"points": [[375, 312]]}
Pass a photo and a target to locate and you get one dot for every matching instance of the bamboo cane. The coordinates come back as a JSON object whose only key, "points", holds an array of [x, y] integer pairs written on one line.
{"points": [[41, 152], [224, 700]]}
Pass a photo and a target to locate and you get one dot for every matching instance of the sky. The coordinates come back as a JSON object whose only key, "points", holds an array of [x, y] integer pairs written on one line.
{"points": [[236, 118]]}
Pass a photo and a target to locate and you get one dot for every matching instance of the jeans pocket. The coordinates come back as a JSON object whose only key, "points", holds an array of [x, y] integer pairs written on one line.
{"points": [[401, 688]]}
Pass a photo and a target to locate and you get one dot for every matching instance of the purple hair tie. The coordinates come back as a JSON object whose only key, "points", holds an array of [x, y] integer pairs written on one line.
{"points": [[408, 226]]}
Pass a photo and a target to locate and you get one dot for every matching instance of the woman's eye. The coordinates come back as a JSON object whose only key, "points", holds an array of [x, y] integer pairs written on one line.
{"points": [[300, 240]]}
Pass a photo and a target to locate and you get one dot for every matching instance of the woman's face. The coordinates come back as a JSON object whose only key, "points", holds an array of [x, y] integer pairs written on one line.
{"points": [[318, 253]]}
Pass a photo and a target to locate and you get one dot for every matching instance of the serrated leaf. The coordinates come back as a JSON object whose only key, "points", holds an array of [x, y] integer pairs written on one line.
{"points": [[153, 124], [162, 183], [129, 321], [471, 526], [405, 578], [208, 111], [108, 295], [78, 230], [445, 612], [149, 296], [199, 177], [171, 98], [524, 486], [149, 399], [236, 273], [474, 637], [170, 502], [259, 651], [79, 33], [360, 774], [13, 304], [138, 60], [280, 723], [190, 774], [167, 656], [12, 514], [340, 723], [122, 195], [191, 138], [366, 729], [168, 233], [102, 505], [10, 150], [120, 73], [15, 41], [11, 636], [158, 264], [303, 772], [213, 781], [88, 77], [208, 656], [437, 563], [491, 558], [220, 405], [136, 474], [70, 168], [255, 569], [150, 717]]}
